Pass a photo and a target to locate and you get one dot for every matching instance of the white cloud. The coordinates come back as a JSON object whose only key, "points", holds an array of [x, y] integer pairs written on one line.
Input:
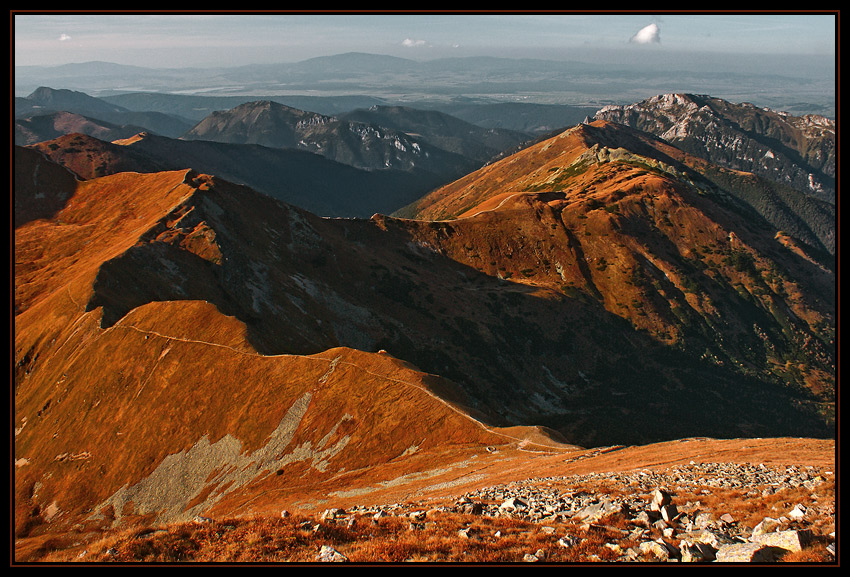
{"points": [[647, 35], [412, 43], [64, 37]]}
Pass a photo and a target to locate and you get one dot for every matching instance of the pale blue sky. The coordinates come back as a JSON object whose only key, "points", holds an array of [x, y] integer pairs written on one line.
{"points": [[173, 41]]}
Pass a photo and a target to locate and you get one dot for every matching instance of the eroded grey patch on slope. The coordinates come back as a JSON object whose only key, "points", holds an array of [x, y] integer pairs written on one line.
{"points": [[181, 477], [406, 479]]}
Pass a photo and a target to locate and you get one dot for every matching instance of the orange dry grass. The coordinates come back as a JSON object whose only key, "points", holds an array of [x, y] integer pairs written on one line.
{"points": [[750, 511], [440, 537], [387, 540], [817, 554]]}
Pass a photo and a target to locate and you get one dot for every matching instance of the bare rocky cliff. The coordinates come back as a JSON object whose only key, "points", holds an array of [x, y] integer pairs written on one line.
{"points": [[797, 151]]}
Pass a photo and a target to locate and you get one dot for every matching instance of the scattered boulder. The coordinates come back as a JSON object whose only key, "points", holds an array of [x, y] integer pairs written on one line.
{"points": [[798, 512], [330, 514], [597, 511], [566, 541], [716, 539], [330, 555], [695, 552], [669, 512], [767, 525], [642, 519], [655, 523], [787, 540], [659, 550], [660, 498], [745, 553], [702, 520], [513, 504]]}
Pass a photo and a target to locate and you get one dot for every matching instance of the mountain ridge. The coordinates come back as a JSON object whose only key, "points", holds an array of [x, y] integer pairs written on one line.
{"points": [[194, 344], [812, 221], [358, 144], [46, 101], [200, 240], [319, 184], [595, 185], [185, 345]]}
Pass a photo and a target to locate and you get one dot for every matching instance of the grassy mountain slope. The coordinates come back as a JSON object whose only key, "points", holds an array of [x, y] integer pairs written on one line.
{"points": [[184, 344], [171, 409], [656, 242]]}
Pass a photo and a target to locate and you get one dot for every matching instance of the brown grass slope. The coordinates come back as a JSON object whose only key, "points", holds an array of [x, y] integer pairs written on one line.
{"points": [[170, 410], [430, 293], [184, 345], [620, 217], [302, 285]]}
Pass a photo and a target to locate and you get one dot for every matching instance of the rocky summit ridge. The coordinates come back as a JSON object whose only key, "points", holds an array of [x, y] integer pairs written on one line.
{"points": [[799, 151]]}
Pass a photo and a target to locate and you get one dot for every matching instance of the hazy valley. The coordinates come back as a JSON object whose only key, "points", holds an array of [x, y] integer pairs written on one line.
{"points": [[226, 306]]}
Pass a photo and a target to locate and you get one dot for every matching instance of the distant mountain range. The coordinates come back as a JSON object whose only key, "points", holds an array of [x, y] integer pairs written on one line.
{"points": [[369, 168], [321, 185], [359, 144], [798, 85], [174, 114], [523, 117], [50, 102], [42, 127]]}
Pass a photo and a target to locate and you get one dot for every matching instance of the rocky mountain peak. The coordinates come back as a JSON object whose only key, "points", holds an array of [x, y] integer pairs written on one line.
{"points": [[795, 151]]}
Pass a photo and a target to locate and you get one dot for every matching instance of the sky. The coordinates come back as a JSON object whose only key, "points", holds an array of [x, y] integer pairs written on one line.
{"points": [[161, 40]]}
